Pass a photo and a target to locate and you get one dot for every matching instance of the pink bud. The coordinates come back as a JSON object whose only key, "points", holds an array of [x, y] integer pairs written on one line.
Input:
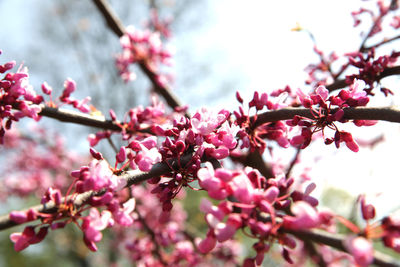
{"points": [[207, 244], [121, 156], [46, 88]]}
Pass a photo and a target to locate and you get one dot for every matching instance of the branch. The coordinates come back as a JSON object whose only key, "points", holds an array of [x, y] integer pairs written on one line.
{"points": [[338, 84], [78, 118], [337, 241], [391, 114], [118, 28], [113, 22], [132, 178]]}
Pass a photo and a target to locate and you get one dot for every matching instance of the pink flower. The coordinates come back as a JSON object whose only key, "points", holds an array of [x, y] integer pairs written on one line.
{"points": [[93, 224], [367, 210], [305, 217], [46, 88], [147, 158], [207, 244], [225, 231], [242, 188], [28, 237], [361, 249], [7, 66], [23, 216], [69, 88], [259, 101], [205, 122], [207, 180], [123, 215]]}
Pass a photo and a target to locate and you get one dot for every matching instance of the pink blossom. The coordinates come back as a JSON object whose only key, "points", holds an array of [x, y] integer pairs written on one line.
{"points": [[46, 88], [242, 188], [27, 237], [207, 180], [148, 158], [123, 215], [69, 88], [7, 66], [305, 217], [207, 244], [225, 231], [205, 122], [93, 224], [361, 249]]}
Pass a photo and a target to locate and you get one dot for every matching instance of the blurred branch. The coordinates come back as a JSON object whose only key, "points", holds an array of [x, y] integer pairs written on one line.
{"points": [[117, 27], [337, 241], [385, 41], [254, 159], [131, 177], [113, 22]]}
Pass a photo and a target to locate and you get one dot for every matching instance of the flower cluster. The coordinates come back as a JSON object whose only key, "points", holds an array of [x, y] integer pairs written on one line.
{"points": [[370, 68], [257, 206], [143, 47], [17, 97], [327, 110], [34, 163]]}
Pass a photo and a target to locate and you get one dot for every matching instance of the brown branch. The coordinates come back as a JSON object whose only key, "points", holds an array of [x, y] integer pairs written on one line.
{"points": [[337, 241], [79, 118], [338, 84], [391, 114], [113, 22], [254, 159], [385, 41]]}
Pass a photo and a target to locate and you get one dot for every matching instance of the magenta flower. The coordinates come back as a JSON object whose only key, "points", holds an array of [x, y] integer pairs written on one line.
{"points": [[205, 122], [123, 216], [28, 237], [305, 217], [361, 249], [93, 224], [207, 244]]}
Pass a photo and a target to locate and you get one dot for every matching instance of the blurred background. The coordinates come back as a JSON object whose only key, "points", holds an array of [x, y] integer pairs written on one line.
{"points": [[220, 47]]}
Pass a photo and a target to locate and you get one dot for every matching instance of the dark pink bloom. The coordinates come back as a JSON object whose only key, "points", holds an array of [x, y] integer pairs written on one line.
{"points": [[207, 244], [305, 217], [361, 249]]}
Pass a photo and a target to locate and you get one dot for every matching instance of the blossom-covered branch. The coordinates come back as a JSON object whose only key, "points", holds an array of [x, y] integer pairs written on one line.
{"points": [[391, 114], [390, 71], [130, 178]]}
